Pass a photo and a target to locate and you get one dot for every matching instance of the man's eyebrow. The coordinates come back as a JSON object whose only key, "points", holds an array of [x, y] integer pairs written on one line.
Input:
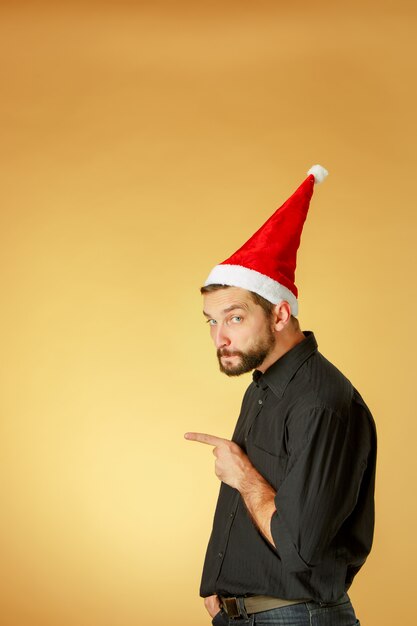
{"points": [[230, 308]]}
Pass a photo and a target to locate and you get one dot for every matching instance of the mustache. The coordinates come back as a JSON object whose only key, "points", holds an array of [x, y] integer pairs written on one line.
{"points": [[225, 352]]}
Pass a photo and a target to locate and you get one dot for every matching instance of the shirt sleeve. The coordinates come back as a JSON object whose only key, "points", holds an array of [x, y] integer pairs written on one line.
{"points": [[321, 487]]}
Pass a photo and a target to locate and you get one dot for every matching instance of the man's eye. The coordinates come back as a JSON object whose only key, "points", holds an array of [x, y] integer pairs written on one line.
{"points": [[211, 322], [236, 319]]}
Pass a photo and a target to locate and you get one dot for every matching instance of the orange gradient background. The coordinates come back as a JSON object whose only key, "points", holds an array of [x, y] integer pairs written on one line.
{"points": [[141, 144]]}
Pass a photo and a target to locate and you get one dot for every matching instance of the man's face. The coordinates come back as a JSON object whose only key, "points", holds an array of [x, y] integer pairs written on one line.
{"points": [[240, 329]]}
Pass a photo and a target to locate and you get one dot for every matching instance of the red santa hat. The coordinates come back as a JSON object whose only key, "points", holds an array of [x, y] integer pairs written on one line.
{"points": [[266, 263]]}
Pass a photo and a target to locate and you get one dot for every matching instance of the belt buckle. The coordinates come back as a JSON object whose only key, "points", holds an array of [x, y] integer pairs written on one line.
{"points": [[231, 607]]}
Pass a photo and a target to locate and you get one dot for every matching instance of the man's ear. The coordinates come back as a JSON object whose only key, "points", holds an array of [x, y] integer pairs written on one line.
{"points": [[281, 315]]}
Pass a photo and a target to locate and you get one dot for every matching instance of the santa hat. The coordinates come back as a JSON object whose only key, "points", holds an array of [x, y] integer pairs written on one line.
{"points": [[266, 263]]}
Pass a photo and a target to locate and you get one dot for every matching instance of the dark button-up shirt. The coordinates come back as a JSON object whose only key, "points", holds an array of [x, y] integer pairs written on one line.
{"points": [[309, 433]]}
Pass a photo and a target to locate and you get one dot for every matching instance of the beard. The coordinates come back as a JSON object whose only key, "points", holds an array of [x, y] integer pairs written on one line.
{"points": [[249, 360]]}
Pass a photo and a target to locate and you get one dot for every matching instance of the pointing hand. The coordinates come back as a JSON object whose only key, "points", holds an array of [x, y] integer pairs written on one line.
{"points": [[232, 464], [234, 468]]}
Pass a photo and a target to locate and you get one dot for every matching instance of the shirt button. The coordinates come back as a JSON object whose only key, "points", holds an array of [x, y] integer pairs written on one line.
{"points": [[231, 514], [259, 401], [221, 554]]}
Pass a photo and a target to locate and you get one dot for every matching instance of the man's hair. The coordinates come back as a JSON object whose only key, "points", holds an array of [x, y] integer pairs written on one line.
{"points": [[267, 306]]}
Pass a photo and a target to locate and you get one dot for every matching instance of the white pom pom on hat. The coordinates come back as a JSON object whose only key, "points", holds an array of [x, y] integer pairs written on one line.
{"points": [[266, 263], [319, 173]]}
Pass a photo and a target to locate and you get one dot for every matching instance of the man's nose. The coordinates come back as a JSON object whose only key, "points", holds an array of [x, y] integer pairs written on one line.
{"points": [[221, 338]]}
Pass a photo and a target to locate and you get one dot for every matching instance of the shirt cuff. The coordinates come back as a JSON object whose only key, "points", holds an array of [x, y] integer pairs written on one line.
{"points": [[286, 549]]}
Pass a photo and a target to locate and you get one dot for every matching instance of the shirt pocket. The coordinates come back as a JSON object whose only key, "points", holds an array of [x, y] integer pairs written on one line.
{"points": [[271, 465]]}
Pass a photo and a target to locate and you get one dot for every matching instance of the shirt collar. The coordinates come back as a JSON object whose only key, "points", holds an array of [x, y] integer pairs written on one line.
{"points": [[279, 374]]}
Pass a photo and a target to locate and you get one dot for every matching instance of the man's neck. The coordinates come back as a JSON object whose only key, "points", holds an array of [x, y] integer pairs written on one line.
{"points": [[283, 344]]}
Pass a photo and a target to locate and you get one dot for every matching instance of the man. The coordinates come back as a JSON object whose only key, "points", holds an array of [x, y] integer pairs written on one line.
{"points": [[295, 514]]}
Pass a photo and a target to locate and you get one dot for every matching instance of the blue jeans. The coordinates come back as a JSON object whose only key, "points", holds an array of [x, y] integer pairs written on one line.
{"points": [[304, 614]]}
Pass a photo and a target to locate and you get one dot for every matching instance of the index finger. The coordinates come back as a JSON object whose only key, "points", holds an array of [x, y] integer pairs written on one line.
{"points": [[211, 440]]}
